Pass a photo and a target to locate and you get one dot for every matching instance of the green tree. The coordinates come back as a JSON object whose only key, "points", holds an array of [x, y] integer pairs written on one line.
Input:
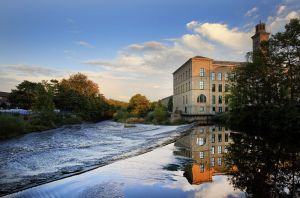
{"points": [[139, 105], [160, 113], [23, 97]]}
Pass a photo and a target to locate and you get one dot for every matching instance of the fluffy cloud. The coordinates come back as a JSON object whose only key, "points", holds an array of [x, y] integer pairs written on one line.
{"points": [[277, 23]]}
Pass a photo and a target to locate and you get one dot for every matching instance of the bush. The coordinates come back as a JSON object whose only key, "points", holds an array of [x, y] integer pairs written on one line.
{"points": [[134, 120], [11, 126], [121, 115]]}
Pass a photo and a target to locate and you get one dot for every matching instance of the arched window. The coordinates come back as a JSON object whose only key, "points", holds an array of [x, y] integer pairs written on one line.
{"points": [[201, 99]]}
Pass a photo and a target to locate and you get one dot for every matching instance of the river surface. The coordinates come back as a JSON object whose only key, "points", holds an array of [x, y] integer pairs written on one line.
{"points": [[204, 161], [41, 157]]}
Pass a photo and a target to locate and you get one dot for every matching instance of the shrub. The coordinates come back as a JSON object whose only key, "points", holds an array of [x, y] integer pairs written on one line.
{"points": [[134, 120], [11, 126]]}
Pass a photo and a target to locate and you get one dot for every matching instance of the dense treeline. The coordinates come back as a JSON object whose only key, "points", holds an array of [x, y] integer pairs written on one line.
{"points": [[265, 91], [57, 103]]}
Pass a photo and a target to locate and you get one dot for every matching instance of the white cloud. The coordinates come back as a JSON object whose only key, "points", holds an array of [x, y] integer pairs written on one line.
{"points": [[222, 34], [281, 9], [277, 24], [251, 12], [84, 44]]}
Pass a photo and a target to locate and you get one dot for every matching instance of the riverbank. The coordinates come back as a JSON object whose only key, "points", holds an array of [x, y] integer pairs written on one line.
{"points": [[37, 158], [158, 173]]}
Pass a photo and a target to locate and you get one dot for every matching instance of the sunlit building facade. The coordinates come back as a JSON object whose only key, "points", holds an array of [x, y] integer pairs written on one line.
{"points": [[200, 86]]}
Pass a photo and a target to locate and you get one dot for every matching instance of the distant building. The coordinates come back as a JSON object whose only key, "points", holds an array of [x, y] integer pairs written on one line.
{"points": [[165, 101], [200, 85], [4, 97]]}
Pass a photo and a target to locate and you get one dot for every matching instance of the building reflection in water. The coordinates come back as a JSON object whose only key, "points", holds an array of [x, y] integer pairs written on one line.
{"points": [[206, 145]]}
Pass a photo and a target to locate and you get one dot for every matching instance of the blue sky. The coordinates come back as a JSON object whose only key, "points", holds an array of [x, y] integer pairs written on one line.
{"points": [[126, 46]]}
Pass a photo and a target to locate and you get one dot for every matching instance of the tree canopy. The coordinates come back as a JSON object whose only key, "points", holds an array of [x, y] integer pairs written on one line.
{"points": [[265, 91]]}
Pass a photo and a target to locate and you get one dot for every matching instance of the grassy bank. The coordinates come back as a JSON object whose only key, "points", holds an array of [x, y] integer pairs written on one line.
{"points": [[15, 125]]}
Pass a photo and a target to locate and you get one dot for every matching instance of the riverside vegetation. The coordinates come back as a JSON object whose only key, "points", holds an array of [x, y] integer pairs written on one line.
{"points": [[78, 100]]}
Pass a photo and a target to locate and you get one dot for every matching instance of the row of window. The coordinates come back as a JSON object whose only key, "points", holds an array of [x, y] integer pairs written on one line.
{"points": [[213, 88], [182, 88], [212, 129], [219, 150], [183, 76], [220, 109], [201, 141], [187, 86], [187, 74], [202, 99], [212, 163]]}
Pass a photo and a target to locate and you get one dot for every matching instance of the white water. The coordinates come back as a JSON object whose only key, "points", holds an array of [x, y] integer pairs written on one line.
{"points": [[45, 156]]}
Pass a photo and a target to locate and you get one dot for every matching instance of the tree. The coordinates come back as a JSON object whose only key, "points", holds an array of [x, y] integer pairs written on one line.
{"points": [[265, 90], [81, 84], [139, 105], [160, 113], [284, 52], [23, 96]]}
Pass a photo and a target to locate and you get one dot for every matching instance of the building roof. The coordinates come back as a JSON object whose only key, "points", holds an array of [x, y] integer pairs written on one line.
{"points": [[227, 62], [214, 62], [4, 94]]}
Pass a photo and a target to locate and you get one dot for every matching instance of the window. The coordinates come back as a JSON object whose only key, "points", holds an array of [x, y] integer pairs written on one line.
{"points": [[201, 168], [220, 87], [201, 84], [201, 99], [226, 87], [226, 76], [213, 150], [219, 161], [185, 86], [214, 109], [213, 76], [212, 138], [201, 109], [220, 99], [213, 88], [219, 76], [189, 85], [182, 99], [220, 137], [219, 149], [201, 72], [200, 141], [212, 162], [220, 109], [220, 128], [201, 154], [226, 137]]}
